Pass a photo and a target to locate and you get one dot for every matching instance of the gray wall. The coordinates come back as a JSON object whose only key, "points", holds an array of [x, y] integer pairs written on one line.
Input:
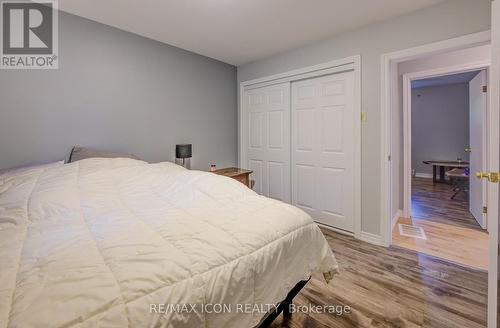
{"points": [[443, 21], [118, 91], [440, 124]]}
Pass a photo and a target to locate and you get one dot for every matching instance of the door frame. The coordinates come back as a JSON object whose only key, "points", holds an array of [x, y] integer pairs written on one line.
{"points": [[388, 66], [407, 119], [335, 66]]}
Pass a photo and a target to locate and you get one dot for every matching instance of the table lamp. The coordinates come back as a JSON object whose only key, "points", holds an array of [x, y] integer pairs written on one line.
{"points": [[183, 153]]}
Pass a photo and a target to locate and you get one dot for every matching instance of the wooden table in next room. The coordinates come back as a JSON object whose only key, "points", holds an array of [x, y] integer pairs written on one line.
{"points": [[443, 167]]}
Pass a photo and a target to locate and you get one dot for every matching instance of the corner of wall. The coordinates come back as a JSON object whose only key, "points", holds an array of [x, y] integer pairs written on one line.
{"points": [[395, 218]]}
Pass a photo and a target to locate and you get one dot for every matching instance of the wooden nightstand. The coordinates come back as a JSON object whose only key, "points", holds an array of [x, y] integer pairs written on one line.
{"points": [[241, 175]]}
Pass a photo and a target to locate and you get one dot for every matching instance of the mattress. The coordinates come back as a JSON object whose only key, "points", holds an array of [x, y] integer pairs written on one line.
{"points": [[120, 242]]}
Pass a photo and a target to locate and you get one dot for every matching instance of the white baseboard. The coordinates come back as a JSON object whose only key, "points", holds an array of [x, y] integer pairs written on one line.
{"points": [[423, 175], [365, 236], [343, 232], [371, 238], [399, 214]]}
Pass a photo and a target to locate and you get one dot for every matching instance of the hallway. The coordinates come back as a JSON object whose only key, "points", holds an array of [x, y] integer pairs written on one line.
{"points": [[452, 232]]}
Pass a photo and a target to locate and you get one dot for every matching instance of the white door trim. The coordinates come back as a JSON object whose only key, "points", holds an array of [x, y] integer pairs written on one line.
{"points": [[407, 79], [292, 75], [387, 61], [339, 65]]}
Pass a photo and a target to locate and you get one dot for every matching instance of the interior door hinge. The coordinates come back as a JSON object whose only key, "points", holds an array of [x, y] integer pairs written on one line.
{"points": [[389, 158], [485, 88], [364, 116], [485, 209]]}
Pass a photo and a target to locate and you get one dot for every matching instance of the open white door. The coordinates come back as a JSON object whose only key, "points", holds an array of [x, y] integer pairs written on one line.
{"points": [[477, 112], [494, 161]]}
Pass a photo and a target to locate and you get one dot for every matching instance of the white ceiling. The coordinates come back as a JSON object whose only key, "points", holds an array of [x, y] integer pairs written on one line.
{"points": [[444, 80], [239, 31]]}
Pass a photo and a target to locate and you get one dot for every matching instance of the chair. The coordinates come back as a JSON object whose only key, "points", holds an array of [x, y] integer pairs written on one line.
{"points": [[459, 180]]}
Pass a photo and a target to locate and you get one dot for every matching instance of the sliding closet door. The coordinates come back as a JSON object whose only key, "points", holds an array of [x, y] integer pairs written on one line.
{"points": [[323, 148], [267, 133]]}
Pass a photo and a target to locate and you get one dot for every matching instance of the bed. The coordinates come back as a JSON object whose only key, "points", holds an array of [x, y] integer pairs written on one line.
{"points": [[116, 242]]}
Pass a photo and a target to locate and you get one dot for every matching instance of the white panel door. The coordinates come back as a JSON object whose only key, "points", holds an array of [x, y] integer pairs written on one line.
{"points": [[267, 130], [323, 149], [477, 104]]}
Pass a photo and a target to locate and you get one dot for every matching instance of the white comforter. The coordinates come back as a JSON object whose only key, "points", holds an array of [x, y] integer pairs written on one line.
{"points": [[104, 242]]}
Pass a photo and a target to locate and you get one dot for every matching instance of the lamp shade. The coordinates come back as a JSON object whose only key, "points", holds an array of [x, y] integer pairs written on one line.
{"points": [[184, 151]]}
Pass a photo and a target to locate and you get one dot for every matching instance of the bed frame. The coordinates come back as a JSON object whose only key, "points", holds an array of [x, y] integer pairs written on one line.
{"points": [[283, 306]]}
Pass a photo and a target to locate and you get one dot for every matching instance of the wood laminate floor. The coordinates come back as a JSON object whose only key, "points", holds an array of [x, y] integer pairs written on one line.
{"points": [[432, 202], [464, 246], [452, 232], [392, 287]]}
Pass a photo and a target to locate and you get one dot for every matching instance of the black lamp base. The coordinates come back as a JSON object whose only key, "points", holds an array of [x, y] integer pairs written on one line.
{"points": [[185, 162]]}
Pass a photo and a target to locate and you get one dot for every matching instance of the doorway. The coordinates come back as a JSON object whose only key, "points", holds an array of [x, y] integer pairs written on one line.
{"points": [[389, 62], [444, 130]]}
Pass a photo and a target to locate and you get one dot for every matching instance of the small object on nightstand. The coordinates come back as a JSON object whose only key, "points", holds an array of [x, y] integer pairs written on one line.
{"points": [[213, 168], [183, 154], [241, 175]]}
